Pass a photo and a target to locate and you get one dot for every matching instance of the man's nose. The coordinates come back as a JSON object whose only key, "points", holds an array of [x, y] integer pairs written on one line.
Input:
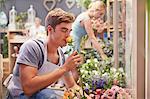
{"points": [[68, 33]]}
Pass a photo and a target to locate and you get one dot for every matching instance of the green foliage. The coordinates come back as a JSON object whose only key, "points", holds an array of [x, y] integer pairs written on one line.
{"points": [[2, 4], [21, 19], [105, 1], [5, 46], [84, 3]]}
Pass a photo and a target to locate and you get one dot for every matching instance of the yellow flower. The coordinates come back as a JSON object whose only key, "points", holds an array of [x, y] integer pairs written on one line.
{"points": [[69, 39]]}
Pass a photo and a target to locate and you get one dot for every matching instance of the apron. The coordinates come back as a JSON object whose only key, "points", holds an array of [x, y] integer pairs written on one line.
{"points": [[48, 67], [15, 88]]}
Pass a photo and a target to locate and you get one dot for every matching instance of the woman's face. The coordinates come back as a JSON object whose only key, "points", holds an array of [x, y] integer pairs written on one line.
{"points": [[99, 12]]}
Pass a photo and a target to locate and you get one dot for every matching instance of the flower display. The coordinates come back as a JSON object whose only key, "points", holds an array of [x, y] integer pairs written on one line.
{"points": [[98, 78], [101, 75]]}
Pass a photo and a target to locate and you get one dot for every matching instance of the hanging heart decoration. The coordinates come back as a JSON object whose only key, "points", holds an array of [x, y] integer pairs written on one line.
{"points": [[70, 3], [51, 3], [59, 0]]}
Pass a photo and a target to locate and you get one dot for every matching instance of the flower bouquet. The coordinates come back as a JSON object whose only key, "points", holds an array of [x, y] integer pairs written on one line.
{"points": [[73, 94]]}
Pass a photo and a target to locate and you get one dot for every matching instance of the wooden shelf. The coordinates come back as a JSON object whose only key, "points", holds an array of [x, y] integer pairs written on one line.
{"points": [[113, 0], [18, 30], [15, 38], [18, 41]]}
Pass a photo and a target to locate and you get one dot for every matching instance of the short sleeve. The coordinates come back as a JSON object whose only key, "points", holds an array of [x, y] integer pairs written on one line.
{"points": [[30, 54]]}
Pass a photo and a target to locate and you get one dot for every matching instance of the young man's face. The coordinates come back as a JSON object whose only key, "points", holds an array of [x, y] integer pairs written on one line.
{"points": [[61, 32]]}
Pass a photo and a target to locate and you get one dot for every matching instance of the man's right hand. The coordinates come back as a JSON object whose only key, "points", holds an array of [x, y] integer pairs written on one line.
{"points": [[72, 61]]}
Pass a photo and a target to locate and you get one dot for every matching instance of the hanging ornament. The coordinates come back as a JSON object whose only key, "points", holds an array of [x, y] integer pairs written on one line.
{"points": [[3, 19], [59, 0], [12, 19], [31, 15], [52, 2], [70, 3]]}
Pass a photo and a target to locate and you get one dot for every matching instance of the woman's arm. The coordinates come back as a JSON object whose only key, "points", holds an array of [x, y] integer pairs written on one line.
{"points": [[90, 32]]}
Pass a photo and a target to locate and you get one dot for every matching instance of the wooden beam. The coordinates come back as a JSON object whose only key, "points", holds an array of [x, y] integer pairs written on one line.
{"points": [[116, 33], [147, 53], [1, 76]]}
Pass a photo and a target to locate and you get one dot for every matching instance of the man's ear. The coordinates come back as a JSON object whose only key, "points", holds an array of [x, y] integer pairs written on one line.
{"points": [[49, 28]]}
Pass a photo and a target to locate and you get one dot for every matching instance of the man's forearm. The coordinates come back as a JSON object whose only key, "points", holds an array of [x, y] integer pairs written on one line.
{"points": [[36, 83]]}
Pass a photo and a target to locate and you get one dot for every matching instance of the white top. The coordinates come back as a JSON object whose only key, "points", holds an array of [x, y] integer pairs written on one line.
{"points": [[39, 32]]}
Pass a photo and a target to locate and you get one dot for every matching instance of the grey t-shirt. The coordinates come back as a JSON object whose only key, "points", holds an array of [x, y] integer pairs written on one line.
{"points": [[29, 54]]}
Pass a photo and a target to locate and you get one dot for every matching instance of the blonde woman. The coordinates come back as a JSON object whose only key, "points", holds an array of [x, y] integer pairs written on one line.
{"points": [[83, 25]]}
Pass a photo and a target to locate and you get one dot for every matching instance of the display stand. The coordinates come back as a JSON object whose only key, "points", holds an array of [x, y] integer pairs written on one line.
{"points": [[15, 40]]}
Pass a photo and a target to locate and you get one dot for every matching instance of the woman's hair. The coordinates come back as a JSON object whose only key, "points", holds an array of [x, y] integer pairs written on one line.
{"points": [[57, 16], [96, 5]]}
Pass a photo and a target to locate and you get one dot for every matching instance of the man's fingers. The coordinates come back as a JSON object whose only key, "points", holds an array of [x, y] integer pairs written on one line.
{"points": [[76, 56], [74, 53]]}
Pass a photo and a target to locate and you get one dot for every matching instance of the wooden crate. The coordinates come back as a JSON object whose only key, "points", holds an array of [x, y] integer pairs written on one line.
{"points": [[6, 71], [1, 76]]}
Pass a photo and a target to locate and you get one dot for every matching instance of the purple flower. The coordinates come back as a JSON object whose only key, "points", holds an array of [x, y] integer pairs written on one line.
{"points": [[86, 90]]}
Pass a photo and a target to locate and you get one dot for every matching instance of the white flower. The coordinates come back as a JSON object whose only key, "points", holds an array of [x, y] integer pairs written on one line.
{"points": [[90, 72], [95, 60], [95, 65], [105, 74], [83, 76], [87, 85], [116, 75], [82, 70], [88, 61], [121, 70], [95, 72], [113, 69], [86, 72]]}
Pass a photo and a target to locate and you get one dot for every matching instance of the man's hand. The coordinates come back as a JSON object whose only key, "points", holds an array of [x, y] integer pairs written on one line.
{"points": [[72, 61]]}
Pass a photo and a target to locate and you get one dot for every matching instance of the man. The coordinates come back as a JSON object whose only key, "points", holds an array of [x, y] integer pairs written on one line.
{"points": [[39, 65]]}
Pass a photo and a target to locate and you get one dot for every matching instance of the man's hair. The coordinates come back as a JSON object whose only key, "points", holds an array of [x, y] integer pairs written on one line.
{"points": [[57, 16]]}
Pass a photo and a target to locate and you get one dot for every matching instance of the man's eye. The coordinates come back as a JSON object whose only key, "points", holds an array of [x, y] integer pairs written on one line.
{"points": [[64, 30]]}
